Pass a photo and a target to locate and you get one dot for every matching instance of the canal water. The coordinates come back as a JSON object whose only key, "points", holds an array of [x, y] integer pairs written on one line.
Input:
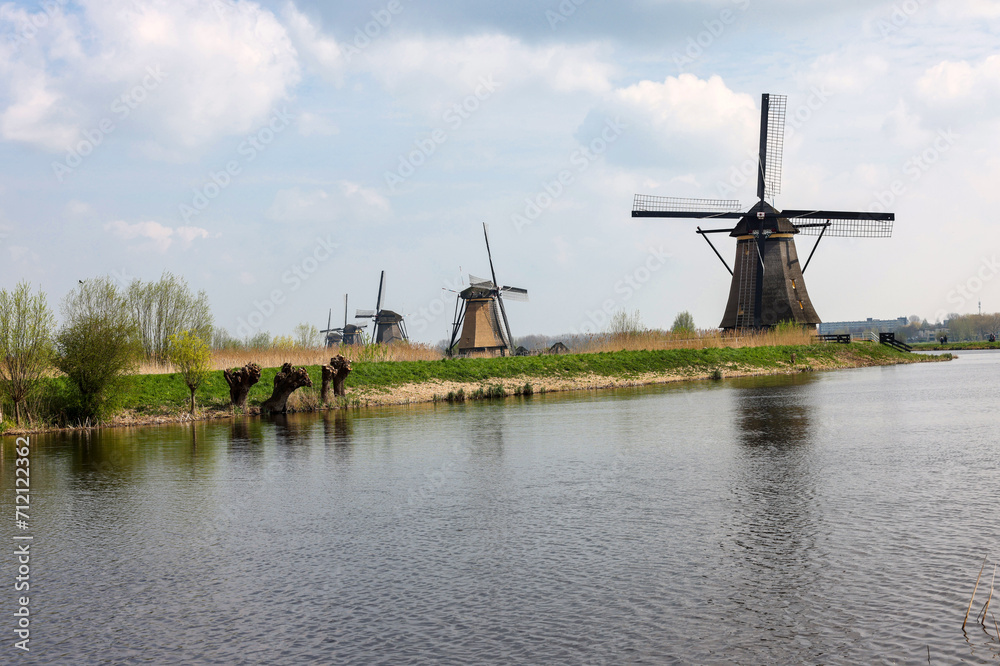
{"points": [[826, 518]]}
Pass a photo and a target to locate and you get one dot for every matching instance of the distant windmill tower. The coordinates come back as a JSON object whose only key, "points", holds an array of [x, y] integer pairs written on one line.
{"points": [[348, 334], [767, 285], [389, 326], [483, 319]]}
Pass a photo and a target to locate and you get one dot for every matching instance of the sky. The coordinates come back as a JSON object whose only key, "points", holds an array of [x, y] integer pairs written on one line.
{"points": [[278, 155]]}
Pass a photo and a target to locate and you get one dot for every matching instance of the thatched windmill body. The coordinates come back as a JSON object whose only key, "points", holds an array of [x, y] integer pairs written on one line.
{"points": [[767, 285], [480, 314], [388, 325], [348, 334]]}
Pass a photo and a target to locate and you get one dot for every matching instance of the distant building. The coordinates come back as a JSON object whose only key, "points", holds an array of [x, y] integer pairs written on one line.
{"points": [[861, 327]]}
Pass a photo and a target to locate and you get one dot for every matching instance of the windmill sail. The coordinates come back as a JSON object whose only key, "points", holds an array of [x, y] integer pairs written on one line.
{"points": [[775, 144], [514, 293], [767, 285]]}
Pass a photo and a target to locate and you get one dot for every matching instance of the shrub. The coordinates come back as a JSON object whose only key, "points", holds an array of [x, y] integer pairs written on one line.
{"points": [[97, 346], [191, 357], [26, 325]]}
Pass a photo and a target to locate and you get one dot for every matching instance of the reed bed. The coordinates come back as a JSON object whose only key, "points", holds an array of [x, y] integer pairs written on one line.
{"points": [[646, 340], [653, 340], [223, 359]]}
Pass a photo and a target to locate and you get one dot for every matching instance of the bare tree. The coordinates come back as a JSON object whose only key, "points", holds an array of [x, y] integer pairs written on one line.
{"points": [[307, 335], [26, 326], [164, 308]]}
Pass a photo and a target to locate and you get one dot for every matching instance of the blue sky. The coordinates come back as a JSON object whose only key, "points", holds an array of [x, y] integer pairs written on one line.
{"points": [[281, 154]]}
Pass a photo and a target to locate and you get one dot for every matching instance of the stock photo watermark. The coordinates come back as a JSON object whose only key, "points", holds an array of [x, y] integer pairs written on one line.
{"points": [[455, 116], [714, 29], [372, 30], [33, 22], [967, 291], [217, 181], [900, 15], [121, 108], [22, 542], [746, 171], [430, 313], [553, 188], [914, 169], [562, 12], [626, 288], [294, 277]]}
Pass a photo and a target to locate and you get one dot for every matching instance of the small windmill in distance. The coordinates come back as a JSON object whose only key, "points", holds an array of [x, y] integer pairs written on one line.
{"points": [[348, 334], [767, 285], [388, 325], [481, 316]]}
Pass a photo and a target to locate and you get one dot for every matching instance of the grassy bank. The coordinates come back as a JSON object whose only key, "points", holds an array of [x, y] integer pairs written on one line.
{"points": [[163, 397], [955, 346]]}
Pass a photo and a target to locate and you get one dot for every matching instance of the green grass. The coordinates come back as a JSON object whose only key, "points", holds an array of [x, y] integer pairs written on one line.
{"points": [[169, 390], [164, 394], [972, 344]]}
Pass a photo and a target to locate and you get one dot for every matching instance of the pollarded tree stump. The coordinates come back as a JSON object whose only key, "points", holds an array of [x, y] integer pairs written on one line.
{"points": [[240, 380], [337, 373], [286, 382]]}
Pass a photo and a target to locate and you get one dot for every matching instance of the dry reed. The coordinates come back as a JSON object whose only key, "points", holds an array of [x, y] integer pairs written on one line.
{"points": [[653, 339], [632, 341], [223, 359], [974, 590]]}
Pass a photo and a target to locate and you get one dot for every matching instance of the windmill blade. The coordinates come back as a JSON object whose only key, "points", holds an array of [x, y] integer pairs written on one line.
{"points": [[510, 340], [848, 228], [457, 324], [645, 205], [843, 224], [329, 320], [479, 282], [486, 233], [364, 314], [381, 292], [774, 140], [345, 309], [514, 293]]}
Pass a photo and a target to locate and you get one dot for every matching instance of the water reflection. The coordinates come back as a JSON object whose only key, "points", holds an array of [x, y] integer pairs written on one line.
{"points": [[774, 517], [735, 522]]}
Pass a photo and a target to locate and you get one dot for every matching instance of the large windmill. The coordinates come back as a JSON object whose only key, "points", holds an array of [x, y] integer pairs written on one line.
{"points": [[389, 326], [483, 319], [767, 285], [348, 334]]}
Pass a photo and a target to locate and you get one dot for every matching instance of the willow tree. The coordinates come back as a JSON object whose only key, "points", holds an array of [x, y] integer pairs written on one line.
{"points": [[98, 344], [26, 326], [191, 357], [165, 308]]}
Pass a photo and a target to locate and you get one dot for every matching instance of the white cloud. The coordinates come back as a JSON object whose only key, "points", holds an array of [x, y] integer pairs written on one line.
{"points": [[161, 236], [904, 127], [343, 200], [975, 8], [323, 51], [960, 81], [225, 65], [849, 71], [426, 67], [681, 119], [311, 124]]}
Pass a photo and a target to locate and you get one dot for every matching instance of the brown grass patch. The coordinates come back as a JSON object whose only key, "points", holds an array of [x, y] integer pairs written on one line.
{"points": [[649, 340], [223, 359]]}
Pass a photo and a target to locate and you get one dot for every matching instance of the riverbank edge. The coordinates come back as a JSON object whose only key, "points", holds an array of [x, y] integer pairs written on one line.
{"points": [[955, 346], [617, 370]]}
